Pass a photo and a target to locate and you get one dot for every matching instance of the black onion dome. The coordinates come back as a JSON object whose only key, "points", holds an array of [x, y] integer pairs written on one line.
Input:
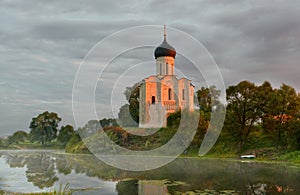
{"points": [[164, 49]]}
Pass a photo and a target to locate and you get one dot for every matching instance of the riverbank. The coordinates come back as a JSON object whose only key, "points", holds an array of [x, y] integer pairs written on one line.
{"points": [[220, 150], [270, 154], [291, 157], [267, 154]]}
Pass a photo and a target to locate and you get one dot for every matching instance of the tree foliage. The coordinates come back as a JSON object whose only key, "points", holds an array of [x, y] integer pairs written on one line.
{"points": [[43, 128], [108, 122], [65, 134], [125, 118], [208, 99], [282, 112], [245, 106], [129, 113], [18, 136], [276, 111], [208, 102]]}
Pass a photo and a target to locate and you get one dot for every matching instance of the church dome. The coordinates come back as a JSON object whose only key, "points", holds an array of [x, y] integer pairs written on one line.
{"points": [[164, 49]]}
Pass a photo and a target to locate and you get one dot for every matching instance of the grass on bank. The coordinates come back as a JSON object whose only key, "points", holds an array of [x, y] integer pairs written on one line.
{"points": [[35, 145], [220, 150], [291, 156], [258, 144]]}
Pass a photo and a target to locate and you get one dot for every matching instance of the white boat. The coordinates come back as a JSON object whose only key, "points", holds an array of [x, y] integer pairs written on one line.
{"points": [[248, 156]]}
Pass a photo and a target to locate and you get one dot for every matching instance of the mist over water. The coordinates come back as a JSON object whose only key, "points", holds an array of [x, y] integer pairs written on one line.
{"points": [[32, 171]]}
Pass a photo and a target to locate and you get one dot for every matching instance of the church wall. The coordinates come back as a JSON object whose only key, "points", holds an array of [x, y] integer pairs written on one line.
{"points": [[142, 103], [191, 94], [176, 91], [188, 100], [151, 89], [181, 85], [158, 87]]}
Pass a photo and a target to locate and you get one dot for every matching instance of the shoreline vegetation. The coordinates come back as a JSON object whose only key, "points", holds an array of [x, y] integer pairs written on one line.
{"points": [[259, 120], [289, 157], [220, 150]]}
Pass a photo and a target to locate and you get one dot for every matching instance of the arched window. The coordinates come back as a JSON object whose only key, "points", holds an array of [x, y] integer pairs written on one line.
{"points": [[153, 100], [170, 94], [167, 69], [183, 94], [161, 68]]}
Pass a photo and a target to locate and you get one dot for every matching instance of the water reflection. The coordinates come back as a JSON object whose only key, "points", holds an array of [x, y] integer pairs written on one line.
{"points": [[153, 187], [41, 170], [46, 169]]}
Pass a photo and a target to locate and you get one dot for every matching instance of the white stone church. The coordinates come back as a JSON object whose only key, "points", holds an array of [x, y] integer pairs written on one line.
{"points": [[164, 93]]}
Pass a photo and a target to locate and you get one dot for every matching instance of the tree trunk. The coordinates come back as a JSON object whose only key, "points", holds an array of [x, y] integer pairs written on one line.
{"points": [[241, 145], [279, 139]]}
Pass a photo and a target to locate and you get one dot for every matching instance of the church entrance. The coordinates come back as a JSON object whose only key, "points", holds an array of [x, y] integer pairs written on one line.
{"points": [[153, 100]]}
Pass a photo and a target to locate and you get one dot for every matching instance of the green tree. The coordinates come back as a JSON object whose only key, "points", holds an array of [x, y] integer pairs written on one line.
{"points": [[89, 129], [173, 119], [43, 128], [132, 95], [283, 106], [293, 135], [244, 110], [208, 100], [108, 122], [65, 134], [125, 118], [4, 142], [18, 136]]}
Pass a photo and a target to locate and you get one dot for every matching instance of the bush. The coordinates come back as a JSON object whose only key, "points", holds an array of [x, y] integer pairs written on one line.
{"points": [[291, 156], [173, 119], [76, 145], [18, 136]]}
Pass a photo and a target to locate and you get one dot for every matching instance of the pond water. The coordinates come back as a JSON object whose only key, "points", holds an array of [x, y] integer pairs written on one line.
{"points": [[36, 171]]}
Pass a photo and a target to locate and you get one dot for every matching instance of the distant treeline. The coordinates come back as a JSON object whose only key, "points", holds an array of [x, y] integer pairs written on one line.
{"points": [[257, 116]]}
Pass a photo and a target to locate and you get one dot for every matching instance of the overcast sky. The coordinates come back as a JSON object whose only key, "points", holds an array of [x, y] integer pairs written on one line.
{"points": [[42, 44]]}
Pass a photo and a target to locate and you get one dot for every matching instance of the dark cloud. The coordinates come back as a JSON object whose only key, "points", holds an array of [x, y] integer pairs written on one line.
{"points": [[43, 43]]}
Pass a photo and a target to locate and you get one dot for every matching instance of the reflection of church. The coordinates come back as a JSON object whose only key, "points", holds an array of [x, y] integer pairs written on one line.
{"points": [[163, 93], [149, 187]]}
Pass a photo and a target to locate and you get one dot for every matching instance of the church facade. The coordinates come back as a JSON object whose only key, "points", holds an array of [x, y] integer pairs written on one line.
{"points": [[164, 93]]}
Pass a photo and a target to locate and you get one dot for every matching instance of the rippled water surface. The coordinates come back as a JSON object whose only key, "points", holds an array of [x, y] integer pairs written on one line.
{"points": [[35, 171]]}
